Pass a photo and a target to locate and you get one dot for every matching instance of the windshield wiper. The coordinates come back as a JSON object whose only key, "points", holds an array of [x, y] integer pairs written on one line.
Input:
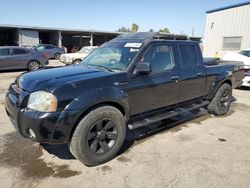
{"points": [[98, 66], [109, 69]]}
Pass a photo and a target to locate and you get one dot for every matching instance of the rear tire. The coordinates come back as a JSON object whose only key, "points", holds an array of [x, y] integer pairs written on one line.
{"points": [[222, 100], [99, 136], [57, 56], [33, 65]]}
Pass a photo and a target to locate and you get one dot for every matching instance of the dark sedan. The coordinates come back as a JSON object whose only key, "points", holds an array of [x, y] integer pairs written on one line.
{"points": [[51, 51], [12, 57]]}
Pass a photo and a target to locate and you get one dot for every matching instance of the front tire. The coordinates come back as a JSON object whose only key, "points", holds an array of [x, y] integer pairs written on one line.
{"points": [[99, 136], [77, 61], [221, 102]]}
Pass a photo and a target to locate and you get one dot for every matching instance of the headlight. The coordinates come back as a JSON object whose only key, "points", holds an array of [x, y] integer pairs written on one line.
{"points": [[42, 101]]}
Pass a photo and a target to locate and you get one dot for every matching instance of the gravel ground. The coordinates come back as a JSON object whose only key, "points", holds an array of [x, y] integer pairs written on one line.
{"points": [[193, 150]]}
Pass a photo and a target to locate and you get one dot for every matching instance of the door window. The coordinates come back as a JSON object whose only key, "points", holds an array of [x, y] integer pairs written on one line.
{"points": [[19, 51], [160, 57], [4, 52], [188, 56], [49, 47], [41, 47]]}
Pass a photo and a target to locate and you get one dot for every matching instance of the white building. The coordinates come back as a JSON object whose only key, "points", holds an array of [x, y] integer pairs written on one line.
{"points": [[227, 30]]}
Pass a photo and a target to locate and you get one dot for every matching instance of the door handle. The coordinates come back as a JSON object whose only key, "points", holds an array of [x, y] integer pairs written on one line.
{"points": [[199, 74], [175, 77]]}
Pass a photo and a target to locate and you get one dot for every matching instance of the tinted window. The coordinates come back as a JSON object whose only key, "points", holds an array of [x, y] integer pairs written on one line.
{"points": [[4, 52], [160, 57], [19, 51], [49, 47], [188, 56]]}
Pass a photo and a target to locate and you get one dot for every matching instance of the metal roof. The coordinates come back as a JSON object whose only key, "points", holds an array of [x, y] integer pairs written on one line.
{"points": [[228, 7], [56, 29]]}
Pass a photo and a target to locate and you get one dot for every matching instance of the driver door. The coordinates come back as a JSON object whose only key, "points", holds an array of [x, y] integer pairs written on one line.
{"points": [[160, 87]]}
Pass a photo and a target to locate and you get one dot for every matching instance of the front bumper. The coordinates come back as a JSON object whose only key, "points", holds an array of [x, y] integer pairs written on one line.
{"points": [[47, 127], [246, 81], [65, 60]]}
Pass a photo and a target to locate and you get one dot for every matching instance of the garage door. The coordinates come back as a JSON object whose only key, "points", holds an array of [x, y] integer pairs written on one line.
{"points": [[28, 38]]}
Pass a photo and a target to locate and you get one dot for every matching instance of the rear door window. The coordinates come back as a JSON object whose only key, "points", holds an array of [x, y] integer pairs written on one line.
{"points": [[188, 56], [4, 52], [19, 52]]}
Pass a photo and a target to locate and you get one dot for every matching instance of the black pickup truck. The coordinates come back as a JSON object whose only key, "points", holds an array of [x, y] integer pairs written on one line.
{"points": [[131, 81]]}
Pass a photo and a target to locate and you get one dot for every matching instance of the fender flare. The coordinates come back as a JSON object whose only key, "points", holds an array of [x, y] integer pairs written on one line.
{"points": [[226, 77], [100, 96]]}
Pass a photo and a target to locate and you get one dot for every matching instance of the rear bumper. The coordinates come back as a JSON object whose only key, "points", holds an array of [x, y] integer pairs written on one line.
{"points": [[47, 127]]}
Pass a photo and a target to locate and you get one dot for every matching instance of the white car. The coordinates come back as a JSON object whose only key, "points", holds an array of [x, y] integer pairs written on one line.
{"points": [[75, 58], [243, 56], [246, 80]]}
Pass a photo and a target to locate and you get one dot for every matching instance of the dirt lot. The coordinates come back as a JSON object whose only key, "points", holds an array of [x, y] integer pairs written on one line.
{"points": [[189, 151]]}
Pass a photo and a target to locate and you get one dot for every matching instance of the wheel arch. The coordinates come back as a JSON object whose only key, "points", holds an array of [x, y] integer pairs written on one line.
{"points": [[83, 113], [227, 80], [78, 59], [33, 60]]}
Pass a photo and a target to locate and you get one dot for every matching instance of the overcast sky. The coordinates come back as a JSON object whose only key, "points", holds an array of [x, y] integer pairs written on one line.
{"points": [[109, 15]]}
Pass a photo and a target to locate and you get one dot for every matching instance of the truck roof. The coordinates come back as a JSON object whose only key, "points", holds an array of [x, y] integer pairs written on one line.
{"points": [[145, 36]]}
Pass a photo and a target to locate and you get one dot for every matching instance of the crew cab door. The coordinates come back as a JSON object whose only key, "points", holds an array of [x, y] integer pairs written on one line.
{"points": [[192, 72], [160, 87]]}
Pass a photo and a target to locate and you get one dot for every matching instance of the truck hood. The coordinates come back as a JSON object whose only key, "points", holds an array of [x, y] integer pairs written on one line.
{"points": [[49, 79]]}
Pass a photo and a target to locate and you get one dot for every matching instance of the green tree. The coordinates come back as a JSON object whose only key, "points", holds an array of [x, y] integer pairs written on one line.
{"points": [[151, 30], [134, 27], [124, 29], [164, 30]]}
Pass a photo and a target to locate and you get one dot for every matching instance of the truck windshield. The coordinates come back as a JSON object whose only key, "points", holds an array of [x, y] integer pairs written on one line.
{"points": [[113, 55]]}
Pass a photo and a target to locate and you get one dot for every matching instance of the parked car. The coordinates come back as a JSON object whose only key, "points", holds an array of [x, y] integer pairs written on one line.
{"points": [[51, 51], [243, 56], [91, 105], [245, 52], [75, 58], [12, 57], [246, 80]]}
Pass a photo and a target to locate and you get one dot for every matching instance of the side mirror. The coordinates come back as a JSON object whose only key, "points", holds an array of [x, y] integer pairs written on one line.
{"points": [[143, 68]]}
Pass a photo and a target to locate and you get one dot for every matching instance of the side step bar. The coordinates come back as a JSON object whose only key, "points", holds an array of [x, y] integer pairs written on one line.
{"points": [[165, 115]]}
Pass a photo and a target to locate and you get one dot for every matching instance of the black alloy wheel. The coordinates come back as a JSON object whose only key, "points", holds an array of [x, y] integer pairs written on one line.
{"points": [[225, 100], [102, 136]]}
